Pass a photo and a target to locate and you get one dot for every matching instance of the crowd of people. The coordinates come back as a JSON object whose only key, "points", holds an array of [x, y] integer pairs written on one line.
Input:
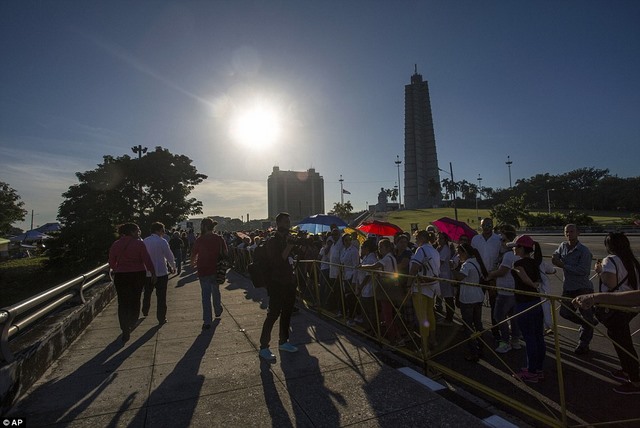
{"points": [[401, 287]]}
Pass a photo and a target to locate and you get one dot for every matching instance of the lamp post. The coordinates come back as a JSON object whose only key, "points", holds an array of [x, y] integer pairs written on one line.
{"points": [[341, 191], [398, 162], [549, 199], [140, 151], [453, 184], [478, 196], [509, 162]]}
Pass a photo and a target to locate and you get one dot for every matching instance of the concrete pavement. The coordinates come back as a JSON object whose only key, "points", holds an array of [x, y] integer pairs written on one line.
{"points": [[177, 375]]}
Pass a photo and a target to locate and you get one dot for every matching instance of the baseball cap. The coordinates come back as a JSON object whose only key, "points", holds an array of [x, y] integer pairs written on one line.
{"points": [[522, 241]]}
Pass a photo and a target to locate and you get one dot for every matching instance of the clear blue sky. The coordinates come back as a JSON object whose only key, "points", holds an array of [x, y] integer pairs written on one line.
{"points": [[553, 84]]}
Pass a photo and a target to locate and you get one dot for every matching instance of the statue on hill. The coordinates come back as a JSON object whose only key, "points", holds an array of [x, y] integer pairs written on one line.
{"points": [[382, 200]]}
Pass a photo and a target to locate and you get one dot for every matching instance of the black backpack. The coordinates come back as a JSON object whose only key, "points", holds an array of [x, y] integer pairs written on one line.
{"points": [[259, 269]]}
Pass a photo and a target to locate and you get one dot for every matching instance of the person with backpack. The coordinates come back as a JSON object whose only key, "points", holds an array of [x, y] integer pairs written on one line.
{"points": [[281, 286], [424, 269], [471, 297]]}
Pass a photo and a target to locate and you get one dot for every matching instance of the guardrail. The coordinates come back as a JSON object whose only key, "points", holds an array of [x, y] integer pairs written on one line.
{"points": [[386, 314], [18, 317]]}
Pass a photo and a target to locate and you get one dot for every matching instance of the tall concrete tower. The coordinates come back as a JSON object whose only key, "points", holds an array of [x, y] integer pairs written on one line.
{"points": [[421, 173]]}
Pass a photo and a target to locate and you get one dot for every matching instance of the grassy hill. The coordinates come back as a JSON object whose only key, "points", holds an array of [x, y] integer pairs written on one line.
{"points": [[425, 216]]}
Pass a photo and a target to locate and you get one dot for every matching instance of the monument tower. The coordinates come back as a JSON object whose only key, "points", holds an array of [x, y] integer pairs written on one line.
{"points": [[421, 173]]}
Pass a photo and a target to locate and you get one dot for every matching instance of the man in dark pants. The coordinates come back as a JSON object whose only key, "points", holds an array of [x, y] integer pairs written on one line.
{"points": [[161, 254], [575, 260], [281, 287]]}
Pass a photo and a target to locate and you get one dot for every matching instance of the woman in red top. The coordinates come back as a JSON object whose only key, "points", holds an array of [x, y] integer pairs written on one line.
{"points": [[130, 261]]}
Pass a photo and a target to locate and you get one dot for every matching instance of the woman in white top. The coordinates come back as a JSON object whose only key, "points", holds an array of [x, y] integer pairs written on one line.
{"points": [[387, 263], [619, 272], [471, 297], [364, 289], [447, 291], [349, 259]]}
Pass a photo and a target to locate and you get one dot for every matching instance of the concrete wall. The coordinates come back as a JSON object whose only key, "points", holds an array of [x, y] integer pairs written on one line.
{"points": [[44, 342]]}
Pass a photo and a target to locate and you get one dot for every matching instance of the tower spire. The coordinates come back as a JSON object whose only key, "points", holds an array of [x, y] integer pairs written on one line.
{"points": [[415, 68]]}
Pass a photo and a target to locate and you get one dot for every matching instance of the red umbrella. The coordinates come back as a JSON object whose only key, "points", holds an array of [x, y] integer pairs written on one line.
{"points": [[454, 228], [381, 228]]}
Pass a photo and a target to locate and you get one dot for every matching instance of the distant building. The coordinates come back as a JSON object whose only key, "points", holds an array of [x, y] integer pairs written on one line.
{"points": [[300, 193], [421, 173]]}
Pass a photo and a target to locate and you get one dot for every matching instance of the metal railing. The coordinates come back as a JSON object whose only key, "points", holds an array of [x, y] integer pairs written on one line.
{"points": [[18, 317], [316, 290]]}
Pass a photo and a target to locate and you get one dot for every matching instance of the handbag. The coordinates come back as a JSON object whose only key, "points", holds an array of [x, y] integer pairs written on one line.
{"points": [[222, 265], [608, 316]]}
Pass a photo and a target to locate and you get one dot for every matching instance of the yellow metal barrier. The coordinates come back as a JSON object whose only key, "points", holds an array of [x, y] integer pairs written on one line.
{"points": [[320, 292]]}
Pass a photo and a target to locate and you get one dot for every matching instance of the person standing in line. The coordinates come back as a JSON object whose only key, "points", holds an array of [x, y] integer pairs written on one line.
{"points": [[160, 254], [323, 256], [349, 259], [176, 245], [505, 303], [424, 268], [619, 272], [447, 291], [471, 298], [335, 271], [575, 260], [130, 261], [526, 274], [365, 287], [489, 244], [281, 287], [208, 249]]}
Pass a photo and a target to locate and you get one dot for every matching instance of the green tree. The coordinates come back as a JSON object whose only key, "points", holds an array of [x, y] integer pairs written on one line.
{"points": [[10, 208], [152, 188], [511, 211], [392, 194], [342, 210]]}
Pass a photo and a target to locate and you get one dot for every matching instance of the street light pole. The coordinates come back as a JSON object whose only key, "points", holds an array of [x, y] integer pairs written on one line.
{"points": [[509, 162], [341, 191], [549, 199], [140, 151], [398, 162], [453, 185], [478, 195]]}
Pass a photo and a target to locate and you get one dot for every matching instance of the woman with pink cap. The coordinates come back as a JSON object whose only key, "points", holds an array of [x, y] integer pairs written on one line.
{"points": [[526, 273]]}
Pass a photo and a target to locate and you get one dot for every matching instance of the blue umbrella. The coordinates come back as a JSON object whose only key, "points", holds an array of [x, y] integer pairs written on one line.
{"points": [[324, 219], [315, 228], [320, 223], [49, 227], [29, 236]]}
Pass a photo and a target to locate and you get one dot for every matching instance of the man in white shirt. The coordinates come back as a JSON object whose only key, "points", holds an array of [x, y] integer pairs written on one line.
{"points": [[161, 254], [488, 245], [426, 264]]}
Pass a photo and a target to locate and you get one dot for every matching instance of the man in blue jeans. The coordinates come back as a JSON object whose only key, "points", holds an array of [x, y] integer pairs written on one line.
{"points": [[575, 260], [208, 249], [281, 287]]}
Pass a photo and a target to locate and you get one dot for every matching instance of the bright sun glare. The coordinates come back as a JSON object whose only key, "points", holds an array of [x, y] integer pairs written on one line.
{"points": [[257, 126]]}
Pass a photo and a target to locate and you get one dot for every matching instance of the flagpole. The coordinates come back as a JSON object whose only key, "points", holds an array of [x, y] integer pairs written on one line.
{"points": [[341, 191]]}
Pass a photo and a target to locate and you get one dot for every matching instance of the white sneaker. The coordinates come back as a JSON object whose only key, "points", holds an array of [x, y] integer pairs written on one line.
{"points": [[503, 348], [515, 344]]}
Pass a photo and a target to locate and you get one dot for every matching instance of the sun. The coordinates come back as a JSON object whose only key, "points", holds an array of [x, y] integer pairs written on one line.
{"points": [[257, 126]]}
